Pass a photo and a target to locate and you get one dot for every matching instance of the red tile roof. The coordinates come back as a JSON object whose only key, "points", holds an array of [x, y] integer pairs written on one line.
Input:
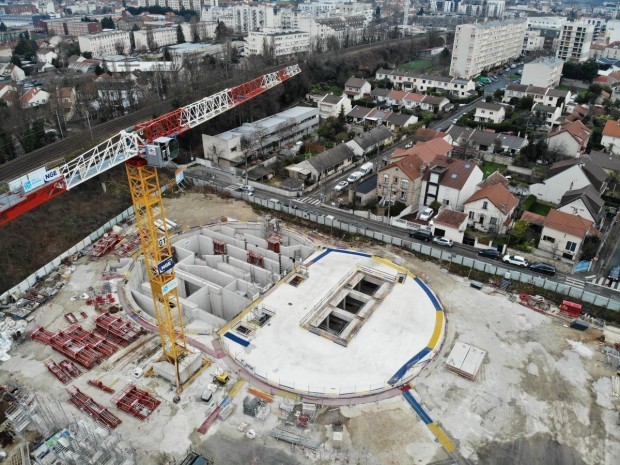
{"points": [[567, 223], [612, 129], [495, 178], [533, 218], [450, 218], [576, 129], [498, 195]]}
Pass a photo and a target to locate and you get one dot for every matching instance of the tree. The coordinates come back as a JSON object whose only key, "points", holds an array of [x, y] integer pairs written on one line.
{"points": [[221, 32], [167, 56], [3, 27], [180, 36], [518, 230], [88, 55], [119, 46], [525, 103], [108, 23], [16, 60]]}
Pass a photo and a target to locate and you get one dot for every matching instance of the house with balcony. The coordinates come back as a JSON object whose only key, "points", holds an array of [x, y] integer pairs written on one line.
{"points": [[356, 88], [490, 208], [331, 106]]}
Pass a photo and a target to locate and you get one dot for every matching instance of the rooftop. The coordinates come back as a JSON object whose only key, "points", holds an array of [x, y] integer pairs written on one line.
{"points": [[567, 223]]}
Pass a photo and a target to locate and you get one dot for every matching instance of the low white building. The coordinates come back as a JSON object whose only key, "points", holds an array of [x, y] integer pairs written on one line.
{"points": [[570, 140], [232, 147], [487, 112], [356, 88], [611, 137], [371, 140], [544, 72], [490, 208], [408, 81], [563, 234], [106, 43], [450, 224], [331, 106], [281, 44]]}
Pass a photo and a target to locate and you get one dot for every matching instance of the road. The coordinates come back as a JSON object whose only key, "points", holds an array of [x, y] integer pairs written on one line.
{"points": [[225, 180]]}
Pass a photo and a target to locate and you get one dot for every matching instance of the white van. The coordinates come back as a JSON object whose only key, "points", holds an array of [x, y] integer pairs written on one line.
{"points": [[355, 176], [366, 168]]}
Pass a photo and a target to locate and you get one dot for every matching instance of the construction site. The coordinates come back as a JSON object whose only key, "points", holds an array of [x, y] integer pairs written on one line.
{"points": [[202, 331]]}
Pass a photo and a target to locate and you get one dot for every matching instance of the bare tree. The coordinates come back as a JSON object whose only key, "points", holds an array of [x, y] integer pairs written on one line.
{"points": [[119, 46]]}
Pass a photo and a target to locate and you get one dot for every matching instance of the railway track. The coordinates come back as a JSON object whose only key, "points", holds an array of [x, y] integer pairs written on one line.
{"points": [[73, 145]]}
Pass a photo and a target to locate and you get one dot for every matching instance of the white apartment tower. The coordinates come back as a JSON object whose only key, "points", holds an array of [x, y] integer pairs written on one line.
{"points": [[485, 45], [575, 41], [106, 43]]}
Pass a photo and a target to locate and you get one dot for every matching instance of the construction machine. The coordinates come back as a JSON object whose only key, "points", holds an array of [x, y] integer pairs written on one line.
{"points": [[143, 149]]}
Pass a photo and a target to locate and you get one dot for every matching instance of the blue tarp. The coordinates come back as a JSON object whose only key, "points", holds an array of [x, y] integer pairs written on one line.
{"points": [[237, 339]]}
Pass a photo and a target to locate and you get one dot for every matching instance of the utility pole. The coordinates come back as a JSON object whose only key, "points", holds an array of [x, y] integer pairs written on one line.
{"points": [[59, 125]]}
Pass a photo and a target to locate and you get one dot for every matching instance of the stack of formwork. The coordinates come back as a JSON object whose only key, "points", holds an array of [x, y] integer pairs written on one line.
{"points": [[91, 408], [117, 329], [100, 385], [105, 245], [65, 371], [136, 402], [83, 347], [127, 246]]}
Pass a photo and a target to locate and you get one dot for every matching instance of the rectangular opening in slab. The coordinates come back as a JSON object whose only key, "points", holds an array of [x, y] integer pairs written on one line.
{"points": [[350, 304], [243, 329], [368, 287], [333, 324]]}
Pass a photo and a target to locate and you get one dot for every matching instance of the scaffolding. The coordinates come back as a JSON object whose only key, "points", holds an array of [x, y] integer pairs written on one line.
{"points": [[293, 438], [117, 329], [105, 245], [91, 408], [136, 402]]}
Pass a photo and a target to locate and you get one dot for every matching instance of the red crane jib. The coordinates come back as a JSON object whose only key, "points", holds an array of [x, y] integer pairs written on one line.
{"points": [[32, 200]]}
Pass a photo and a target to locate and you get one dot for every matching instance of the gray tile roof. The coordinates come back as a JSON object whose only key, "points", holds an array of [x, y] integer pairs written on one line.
{"points": [[333, 99], [606, 161], [595, 174], [367, 185], [373, 137], [324, 161], [589, 196]]}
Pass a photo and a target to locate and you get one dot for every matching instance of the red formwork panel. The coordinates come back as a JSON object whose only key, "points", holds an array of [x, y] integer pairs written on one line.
{"points": [[69, 367], [117, 329], [100, 385], [136, 402], [91, 408], [57, 371], [105, 245]]}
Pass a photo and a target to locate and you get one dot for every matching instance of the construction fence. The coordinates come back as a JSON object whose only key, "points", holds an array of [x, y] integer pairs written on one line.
{"points": [[572, 289]]}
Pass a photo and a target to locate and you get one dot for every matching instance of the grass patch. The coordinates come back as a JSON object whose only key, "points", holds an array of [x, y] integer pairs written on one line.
{"points": [[540, 208], [416, 66], [489, 168]]}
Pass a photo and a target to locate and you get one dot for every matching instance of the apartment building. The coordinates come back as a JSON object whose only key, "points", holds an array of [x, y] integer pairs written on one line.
{"points": [[544, 72], [231, 148], [278, 44], [177, 5], [574, 43], [82, 28], [155, 38], [485, 45], [105, 43]]}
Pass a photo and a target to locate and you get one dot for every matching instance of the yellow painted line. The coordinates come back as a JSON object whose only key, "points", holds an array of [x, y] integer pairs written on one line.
{"points": [[239, 317], [390, 264], [290, 395], [442, 437], [236, 388], [437, 331]]}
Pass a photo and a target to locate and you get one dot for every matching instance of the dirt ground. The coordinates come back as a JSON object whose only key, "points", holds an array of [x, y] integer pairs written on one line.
{"points": [[543, 396]]}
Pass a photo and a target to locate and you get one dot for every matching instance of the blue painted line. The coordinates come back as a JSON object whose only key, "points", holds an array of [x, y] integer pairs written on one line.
{"points": [[237, 339], [401, 372], [321, 256], [430, 294], [352, 252], [417, 408]]}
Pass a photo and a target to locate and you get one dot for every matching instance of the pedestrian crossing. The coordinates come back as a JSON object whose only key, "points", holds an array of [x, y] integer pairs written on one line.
{"points": [[604, 281], [310, 200]]}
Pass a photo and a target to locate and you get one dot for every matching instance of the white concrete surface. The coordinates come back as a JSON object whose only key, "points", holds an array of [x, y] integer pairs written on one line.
{"points": [[288, 355]]}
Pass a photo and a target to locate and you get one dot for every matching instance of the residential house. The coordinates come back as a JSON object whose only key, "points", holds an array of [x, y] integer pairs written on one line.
{"points": [[413, 100], [83, 65], [331, 106], [358, 114], [449, 181], [395, 98], [491, 207], [549, 114], [568, 175], [571, 139], [609, 162], [66, 98], [489, 113], [450, 224], [8, 94], [434, 103], [379, 95], [494, 178], [356, 88], [563, 234], [398, 121], [611, 137], [402, 176], [9, 70], [371, 140], [377, 116], [585, 202], [34, 97], [324, 164], [486, 140], [544, 95], [46, 55], [405, 80], [366, 190]]}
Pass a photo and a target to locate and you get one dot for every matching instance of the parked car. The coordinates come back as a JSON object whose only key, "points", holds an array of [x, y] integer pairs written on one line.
{"points": [[515, 260], [355, 176], [455, 121], [422, 234], [341, 185], [426, 214], [614, 273], [543, 268], [490, 253], [443, 241], [246, 188]]}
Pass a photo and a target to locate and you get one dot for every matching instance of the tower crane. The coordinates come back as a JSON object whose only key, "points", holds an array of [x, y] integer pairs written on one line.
{"points": [[143, 148]]}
